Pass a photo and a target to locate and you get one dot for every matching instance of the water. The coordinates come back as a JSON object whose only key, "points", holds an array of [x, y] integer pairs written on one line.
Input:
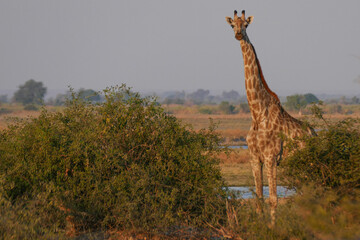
{"points": [[246, 193]]}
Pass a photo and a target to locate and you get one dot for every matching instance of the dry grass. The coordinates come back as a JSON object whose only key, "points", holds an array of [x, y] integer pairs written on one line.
{"points": [[17, 111], [180, 109], [234, 156], [233, 136], [237, 174], [6, 119], [235, 167], [226, 123], [240, 174], [232, 128]]}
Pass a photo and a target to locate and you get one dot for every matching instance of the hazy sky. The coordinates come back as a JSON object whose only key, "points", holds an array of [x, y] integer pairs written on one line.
{"points": [[303, 46]]}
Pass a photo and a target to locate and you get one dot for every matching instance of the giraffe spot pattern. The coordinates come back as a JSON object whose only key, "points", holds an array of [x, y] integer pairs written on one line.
{"points": [[247, 73]]}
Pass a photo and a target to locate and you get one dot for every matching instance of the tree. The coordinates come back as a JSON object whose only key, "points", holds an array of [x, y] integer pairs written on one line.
{"points": [[199, 96], [60, 99], [31, 92], [231, 96], [355, 100], [89, 95], [175, 98], [3, 99], [295, 102], [174, 101], [311, 98], [299, 101]]}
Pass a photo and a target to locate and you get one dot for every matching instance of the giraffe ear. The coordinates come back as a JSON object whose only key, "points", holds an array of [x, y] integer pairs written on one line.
{"points": [[250, 19], [229, 20]]}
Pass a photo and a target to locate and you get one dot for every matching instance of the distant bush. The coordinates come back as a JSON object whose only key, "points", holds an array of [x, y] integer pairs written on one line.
{"points": [[122, 164], [174, 101], [31, 107], [198, 97], [227, 108], [335, 108], [5, 111], [206, 110], [89, 95], [349, 112], [60, 99], [3, 99], [244, 108]]}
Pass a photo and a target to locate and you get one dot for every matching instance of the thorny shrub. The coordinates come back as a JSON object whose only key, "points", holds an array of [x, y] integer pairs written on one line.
{"points": [[122, 164]]}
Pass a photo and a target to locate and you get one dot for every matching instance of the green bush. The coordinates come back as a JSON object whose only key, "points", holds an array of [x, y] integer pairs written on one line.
{"points": [[227, 108], [331, 159], [31, 218], [326, 174], [123, 163]]}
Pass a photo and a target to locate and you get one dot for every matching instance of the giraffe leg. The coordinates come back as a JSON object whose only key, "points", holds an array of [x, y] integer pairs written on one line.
{"points": [[257, 167], [270, 164]]}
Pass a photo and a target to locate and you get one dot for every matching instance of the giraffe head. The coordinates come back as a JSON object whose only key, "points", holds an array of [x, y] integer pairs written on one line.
{"points": [[239, 24]]}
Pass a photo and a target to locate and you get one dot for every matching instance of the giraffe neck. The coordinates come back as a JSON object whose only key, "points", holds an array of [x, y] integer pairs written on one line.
{"points": [[258, 93]]}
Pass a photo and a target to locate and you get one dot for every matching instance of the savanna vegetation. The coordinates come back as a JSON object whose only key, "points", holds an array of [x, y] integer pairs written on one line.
{"points": [[122, 166]]}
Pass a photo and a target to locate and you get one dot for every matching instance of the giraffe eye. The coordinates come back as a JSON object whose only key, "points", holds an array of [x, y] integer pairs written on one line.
{"points": [[232, 26]]}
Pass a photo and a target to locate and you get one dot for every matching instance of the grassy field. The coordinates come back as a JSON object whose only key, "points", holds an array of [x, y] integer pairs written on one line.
{"points": [[235, 165], [6, 119], [10, 112]]}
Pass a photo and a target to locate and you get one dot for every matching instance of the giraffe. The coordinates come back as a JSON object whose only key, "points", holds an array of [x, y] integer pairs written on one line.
{"points": [[269, 119]]}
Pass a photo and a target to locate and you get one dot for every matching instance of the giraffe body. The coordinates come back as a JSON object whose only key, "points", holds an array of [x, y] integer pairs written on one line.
{"points": [[269, 119]]}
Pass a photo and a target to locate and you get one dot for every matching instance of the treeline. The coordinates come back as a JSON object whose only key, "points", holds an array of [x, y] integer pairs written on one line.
{"points": [[31, 94], [200, 97], [232, 102]]}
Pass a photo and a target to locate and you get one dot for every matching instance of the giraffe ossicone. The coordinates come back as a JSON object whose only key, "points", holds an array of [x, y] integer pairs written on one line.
{"points": [[269, 119]]}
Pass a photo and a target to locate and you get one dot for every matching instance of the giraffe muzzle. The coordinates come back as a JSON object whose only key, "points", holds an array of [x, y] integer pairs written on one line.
{"points": [[238, 36]]}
